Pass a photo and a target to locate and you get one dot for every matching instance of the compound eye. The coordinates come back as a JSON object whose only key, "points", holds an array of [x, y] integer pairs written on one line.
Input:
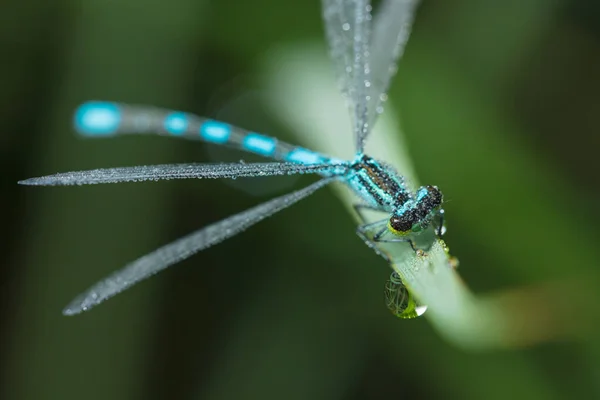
{"points": [[399, 226]]}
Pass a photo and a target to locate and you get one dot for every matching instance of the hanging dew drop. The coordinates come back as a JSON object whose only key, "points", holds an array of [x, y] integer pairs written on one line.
{"points": [[400, 301]]}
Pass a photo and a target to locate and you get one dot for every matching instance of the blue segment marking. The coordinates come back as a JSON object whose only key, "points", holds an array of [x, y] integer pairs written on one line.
{"points": [[176, 123], [215, 132], [259, 144], [303, 156], [97, 118], [421, 193]]}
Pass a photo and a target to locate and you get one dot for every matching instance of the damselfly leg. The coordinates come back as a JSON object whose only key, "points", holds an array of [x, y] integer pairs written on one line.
{"points": [[440, 228], [381, 228]]}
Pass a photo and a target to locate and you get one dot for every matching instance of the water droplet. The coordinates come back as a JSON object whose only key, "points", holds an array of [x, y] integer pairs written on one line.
{"points": [[346, 26], [453, 262], [400, 301]]}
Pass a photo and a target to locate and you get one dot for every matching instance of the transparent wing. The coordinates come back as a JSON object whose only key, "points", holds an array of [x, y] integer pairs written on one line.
{"points": [[183, 248], [391, 30], [348, 28], [179, 171]]}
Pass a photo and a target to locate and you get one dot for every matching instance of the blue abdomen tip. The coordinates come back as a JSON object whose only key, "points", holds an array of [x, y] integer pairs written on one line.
{"points": [[97, 118]]}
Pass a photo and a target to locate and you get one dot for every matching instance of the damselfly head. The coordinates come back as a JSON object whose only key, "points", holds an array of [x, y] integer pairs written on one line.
{"points": [[400, 301], [415, 215]]}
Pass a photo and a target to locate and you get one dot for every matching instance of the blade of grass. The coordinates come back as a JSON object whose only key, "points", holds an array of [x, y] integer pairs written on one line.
{"points": [[467, 320]]}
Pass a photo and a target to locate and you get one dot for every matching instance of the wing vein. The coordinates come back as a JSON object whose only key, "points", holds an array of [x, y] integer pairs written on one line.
{"points": [[180, 171]]}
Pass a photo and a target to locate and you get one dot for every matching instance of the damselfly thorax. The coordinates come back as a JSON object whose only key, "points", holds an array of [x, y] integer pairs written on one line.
{"points": [[382, 188]]}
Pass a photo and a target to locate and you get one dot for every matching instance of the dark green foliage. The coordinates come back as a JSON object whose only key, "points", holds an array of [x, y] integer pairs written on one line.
{"points": [[500, 106]]}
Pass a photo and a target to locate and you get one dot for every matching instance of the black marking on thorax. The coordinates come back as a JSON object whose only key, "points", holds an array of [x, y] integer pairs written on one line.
{"points": [[379, 183]]}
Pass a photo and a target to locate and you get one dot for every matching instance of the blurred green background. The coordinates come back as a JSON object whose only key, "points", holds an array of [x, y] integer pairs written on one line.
{"points": [[500, 106]]}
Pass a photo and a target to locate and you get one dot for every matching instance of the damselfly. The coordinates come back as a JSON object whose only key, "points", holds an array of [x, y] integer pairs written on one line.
{"points": [[365, 54]]}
